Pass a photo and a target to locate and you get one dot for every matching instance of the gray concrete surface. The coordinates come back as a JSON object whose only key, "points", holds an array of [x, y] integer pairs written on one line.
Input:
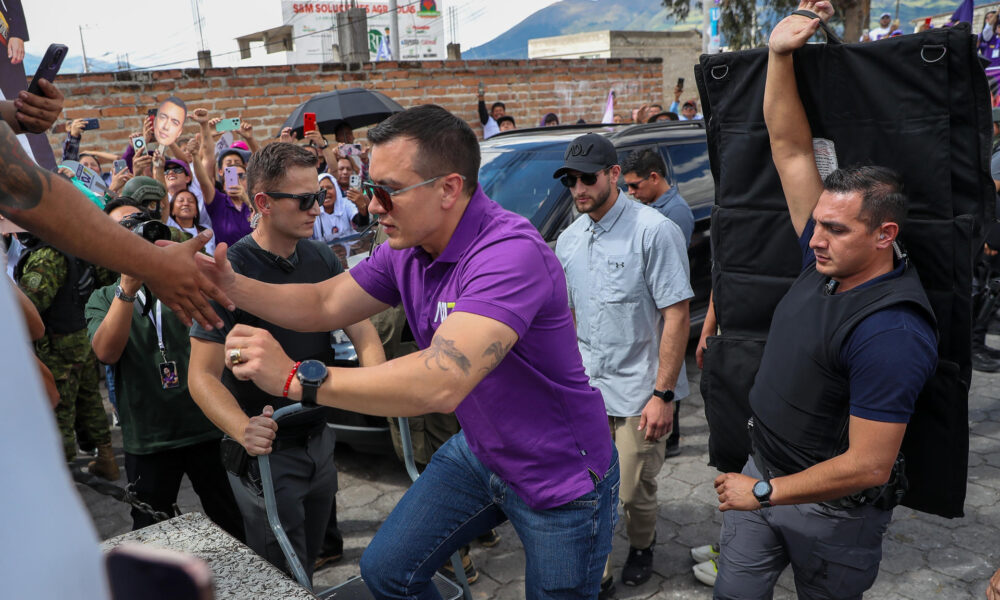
{"points": [[924, 556]]}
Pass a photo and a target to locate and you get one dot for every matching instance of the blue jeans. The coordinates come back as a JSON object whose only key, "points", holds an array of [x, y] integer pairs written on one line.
{"points": [[457, 499]]}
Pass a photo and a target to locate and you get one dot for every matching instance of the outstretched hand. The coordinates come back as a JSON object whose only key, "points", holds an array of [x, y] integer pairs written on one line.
{"points": [[183, 286], [792, 32]]}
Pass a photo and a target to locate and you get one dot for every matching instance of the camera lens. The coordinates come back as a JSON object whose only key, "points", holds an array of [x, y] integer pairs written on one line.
{"points": [[58, 54]]}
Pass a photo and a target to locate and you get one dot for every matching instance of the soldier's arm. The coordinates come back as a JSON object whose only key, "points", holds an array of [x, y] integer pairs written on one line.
{"points": [[45, 271]]}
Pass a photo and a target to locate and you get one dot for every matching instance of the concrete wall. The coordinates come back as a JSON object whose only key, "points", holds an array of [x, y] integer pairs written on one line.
{"points": [[678, 51], [267, 95]]}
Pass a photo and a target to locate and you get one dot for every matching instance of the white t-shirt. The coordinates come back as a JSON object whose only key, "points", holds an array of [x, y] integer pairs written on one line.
{"points": [[331, 226], [48, 543], [878, 33], [209, 247]]}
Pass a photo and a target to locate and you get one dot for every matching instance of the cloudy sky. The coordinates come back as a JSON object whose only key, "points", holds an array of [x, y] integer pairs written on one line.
{"points": [[155, 33]]}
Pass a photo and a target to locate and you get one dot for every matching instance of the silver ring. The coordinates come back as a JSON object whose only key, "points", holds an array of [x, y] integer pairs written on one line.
{"points": [[235, 357]]}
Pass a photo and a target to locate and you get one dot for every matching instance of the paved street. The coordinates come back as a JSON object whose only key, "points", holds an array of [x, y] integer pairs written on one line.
{"points": [[924, 557]]}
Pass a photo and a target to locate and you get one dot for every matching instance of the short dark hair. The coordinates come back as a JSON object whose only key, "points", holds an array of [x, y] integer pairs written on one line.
{"points": [[496, 104], [550, 118], [177, 101], [445, 143], [881, 189], [504, 119], [269, 165], [644, 161], [118, 203]]}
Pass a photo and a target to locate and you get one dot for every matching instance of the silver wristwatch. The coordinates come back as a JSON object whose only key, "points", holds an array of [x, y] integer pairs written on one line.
{"points": [[121, 295]]}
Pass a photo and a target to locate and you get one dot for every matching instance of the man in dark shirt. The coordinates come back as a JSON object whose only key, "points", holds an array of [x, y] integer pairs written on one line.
{"points": [[850, 346], [282, 179]]}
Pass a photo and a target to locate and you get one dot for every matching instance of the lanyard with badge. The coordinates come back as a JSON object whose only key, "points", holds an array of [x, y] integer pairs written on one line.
{"points": [[168, 368]]}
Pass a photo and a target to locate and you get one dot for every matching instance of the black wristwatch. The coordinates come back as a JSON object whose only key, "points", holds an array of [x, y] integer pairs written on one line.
{"points": [[665, 395], [121, 295], [325, 145], [311, 374], [762, 492]]}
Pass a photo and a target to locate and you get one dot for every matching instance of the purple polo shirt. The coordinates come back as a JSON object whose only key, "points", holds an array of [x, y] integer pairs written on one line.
{"points": [[535, 420], [228, 223]]}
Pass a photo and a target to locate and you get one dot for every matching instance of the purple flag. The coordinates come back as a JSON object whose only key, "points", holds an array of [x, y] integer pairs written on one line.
{"points": [[963, 13]]}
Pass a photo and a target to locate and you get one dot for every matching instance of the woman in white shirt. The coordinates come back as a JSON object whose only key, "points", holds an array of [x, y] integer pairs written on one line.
{"points": [[184, 215]]}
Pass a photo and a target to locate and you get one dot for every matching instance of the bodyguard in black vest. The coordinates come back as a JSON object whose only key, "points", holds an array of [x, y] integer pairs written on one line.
{"points": [[850, 346], [281, 179]]}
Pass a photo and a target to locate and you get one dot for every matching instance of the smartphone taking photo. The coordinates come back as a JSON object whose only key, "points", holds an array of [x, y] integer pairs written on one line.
{"points": [[91, 124], [139, 145], [228, 125], [119, 166], [231, 177], [355, 181], [48, 68], [308, 122]]}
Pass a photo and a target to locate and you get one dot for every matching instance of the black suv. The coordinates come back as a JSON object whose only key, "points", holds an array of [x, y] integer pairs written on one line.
{"points": [[517, 173]]}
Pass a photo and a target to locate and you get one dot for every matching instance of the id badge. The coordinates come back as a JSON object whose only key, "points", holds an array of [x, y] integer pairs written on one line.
{"points": [[996, 53], [168, 375]]}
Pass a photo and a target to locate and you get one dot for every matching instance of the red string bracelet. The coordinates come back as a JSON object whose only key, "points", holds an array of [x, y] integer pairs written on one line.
{"points": [[288, 382]]}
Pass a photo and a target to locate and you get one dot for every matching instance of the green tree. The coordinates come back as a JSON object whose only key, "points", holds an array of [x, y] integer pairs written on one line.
{"points": [[747, 23]]}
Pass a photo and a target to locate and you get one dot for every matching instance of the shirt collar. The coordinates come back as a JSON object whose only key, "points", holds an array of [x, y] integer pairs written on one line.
{"points": [[608, 221], [666, 197], [468, 227]]}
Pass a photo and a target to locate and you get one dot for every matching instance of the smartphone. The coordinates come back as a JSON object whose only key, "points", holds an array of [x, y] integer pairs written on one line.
{"points": [[355, 181], [232, 177], [49, 67], [138, 571], [482, 90], [227, 125], [680, 82], [139, 145], [91, 124], [152, 112], [119, 166], [308, 122], [350, 150]]}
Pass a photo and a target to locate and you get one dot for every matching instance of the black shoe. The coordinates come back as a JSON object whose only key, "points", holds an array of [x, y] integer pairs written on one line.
{"points": [[638, 566], [328, 558], [993, 353], [607, 589], [471, 574], [673, 450], [489, 539], [983, 362]]}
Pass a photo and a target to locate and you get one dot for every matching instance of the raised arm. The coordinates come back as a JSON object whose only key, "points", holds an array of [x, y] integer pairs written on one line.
{"points": [[204, 163], [787, 126], [464, 350]]}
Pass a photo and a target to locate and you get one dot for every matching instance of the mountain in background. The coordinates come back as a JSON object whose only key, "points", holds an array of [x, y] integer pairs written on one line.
{"points": [[71, 64], [579, 16]]}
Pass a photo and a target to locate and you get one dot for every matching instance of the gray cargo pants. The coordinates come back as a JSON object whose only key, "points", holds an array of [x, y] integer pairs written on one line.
{"points": [[834, 553], [305, 483]]}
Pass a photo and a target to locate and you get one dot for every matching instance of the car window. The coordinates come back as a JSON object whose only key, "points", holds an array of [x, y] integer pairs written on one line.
{"points": [[521, 180], [692, 174]]}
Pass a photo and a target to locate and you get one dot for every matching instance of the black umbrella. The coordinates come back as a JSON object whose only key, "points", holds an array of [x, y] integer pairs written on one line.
{"points": [[357, 107]]}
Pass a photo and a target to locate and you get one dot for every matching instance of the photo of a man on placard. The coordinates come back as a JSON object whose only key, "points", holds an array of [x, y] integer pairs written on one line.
{"points": [[169, 121]]}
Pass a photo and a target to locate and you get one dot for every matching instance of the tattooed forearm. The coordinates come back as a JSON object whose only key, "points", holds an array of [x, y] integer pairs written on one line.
{"points": [[442, 349], [22, 183], [497, 351]]}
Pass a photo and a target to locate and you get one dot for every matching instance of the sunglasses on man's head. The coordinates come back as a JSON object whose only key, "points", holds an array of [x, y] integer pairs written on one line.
{"points": [[306, 201], [383, 194], [587, 179]]}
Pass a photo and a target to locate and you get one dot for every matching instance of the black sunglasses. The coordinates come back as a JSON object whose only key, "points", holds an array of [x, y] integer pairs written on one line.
{"points": [[383, 194], [635, 184], [177, 170], [306, 201], [587, 179]]}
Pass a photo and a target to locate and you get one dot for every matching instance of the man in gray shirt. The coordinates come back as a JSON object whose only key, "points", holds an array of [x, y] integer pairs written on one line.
{"points": [[645, 174], [629, 285]]}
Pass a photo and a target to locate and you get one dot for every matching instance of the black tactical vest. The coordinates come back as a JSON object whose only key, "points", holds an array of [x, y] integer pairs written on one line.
{"points": [[800, 397], [66, 312]]}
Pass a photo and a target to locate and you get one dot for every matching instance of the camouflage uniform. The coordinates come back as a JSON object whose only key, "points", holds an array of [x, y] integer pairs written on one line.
{"points": [[69, 356]]}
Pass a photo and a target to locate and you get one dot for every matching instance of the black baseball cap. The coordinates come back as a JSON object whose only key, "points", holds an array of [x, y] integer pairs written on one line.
{"points": [[588, 153]]}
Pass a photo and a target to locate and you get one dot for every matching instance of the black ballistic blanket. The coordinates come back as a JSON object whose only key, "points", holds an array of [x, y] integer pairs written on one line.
{"points": [[918, 104]]}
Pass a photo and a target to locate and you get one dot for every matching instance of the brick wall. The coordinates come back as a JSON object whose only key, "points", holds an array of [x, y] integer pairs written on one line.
{"points": [[572, 89]]}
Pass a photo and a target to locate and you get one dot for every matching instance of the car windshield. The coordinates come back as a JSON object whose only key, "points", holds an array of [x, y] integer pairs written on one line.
{"points": [[520, 179]]}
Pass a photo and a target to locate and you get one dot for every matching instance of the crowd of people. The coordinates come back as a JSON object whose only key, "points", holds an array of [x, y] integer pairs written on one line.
{"points": [[553, 377]]}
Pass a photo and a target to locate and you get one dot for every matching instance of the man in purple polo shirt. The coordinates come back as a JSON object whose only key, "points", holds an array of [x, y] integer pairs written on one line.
{"points": [[486, 299]]}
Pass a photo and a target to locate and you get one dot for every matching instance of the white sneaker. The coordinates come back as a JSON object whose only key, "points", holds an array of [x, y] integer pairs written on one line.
{"points": [[706, 572], [705, 553]]}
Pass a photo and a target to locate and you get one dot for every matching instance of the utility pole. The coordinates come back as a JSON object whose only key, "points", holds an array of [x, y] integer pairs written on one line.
{"points": [[83, 48], [394, 29]]}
